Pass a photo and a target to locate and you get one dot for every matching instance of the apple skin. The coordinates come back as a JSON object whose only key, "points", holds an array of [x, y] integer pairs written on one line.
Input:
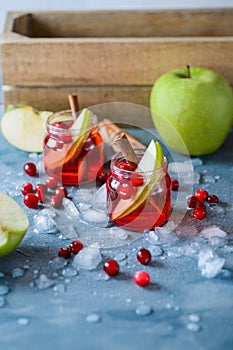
{"points": [[197, 110]]}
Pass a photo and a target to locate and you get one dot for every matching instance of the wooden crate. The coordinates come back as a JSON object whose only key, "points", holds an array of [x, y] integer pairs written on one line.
{"points": [[107, 55]]}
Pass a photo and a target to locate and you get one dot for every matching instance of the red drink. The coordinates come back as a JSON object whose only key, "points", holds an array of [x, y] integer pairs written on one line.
{"points": [[68, 163], [130, 211]]}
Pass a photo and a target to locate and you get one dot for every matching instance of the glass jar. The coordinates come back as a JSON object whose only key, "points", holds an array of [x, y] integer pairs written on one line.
{"points": [[72, 163], [137, 200]]}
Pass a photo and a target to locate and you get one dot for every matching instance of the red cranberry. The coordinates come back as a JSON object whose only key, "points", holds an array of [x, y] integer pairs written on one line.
{"points": [[41, 191], [201, 195], [111, 267], [56, 201], [213, 199], [192, 202], [175, 184], [27, 188], [60, 191], [125, 190], [51, 182], [126, 165], [64, 252], [29, 169], [30, 200], [142, 278], [144, 256], [199, 212], [137, 180], [102, 176], [76, 246]]}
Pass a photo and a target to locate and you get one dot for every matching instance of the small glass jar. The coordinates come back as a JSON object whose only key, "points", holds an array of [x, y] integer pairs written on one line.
{"points": [[137, 200], [72, 163]]}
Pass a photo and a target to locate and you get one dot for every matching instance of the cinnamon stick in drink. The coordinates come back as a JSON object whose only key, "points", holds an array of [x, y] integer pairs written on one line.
{"points": [[74, 104], [127, 150]]}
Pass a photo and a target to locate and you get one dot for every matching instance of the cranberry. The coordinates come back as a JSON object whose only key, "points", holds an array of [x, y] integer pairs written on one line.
{"points": [[76, 246], [175, 184], [137, 180], [64, 252], [213, 199], [60, 191], [200, 212], [126, 165], [125, 190], [27, 188], [56, 201], [29, 169], [102, 176], [41, 191], [30, 200], [144, 256], [142, 278], [111, 267], [51, 182], [201, 195], [192, 202]]}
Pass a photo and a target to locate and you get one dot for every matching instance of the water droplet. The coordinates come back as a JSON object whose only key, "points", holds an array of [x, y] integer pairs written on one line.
{"points": [[193, 327], [4, 290], [2, 301], [17, 272], [69, 272], [143, 310], [23, 321], [93, 318], [194, 318]]}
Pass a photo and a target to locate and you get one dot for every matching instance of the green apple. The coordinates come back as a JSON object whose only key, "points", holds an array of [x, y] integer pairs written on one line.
{"points": [[194, 105], [25, 127], [13, 224], [151, 161], [81, 128]]}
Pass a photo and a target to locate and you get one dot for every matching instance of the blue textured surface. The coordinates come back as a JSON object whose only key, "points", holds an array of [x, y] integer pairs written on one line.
{"points": [[58, 320]]}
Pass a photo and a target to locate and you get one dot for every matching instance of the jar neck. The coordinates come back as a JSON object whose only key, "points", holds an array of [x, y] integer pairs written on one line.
{"points": [[60, 123], [118, 159]]}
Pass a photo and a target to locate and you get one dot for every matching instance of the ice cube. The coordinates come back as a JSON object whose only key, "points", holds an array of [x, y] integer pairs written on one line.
{"points": [[196, 161], [95, 217], [143, 310], [59, 288], [83, 207], [156, 251], [43, 223], [153, 238], [17, 272], [69, 208], [119, 233], [209, 263], [193, 327], [57, 263], [43, 282], [4, 290], [69, 272], [213, 231], [88, 258], [194, 318], [100, 198], [23, 321], [93, 318]]}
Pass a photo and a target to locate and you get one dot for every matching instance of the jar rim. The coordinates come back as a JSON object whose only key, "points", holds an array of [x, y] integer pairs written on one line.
{"points": [[68, 113], [119, 156]]}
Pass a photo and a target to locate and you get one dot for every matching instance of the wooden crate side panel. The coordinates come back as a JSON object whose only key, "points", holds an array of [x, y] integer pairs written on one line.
{"points": [[73, 62]]}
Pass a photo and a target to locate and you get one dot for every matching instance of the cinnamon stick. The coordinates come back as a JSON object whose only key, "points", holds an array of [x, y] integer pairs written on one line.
{"points": [[74, 104], [126, 149]]}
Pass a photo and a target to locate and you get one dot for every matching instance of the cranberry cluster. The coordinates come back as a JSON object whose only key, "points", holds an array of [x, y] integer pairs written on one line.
{"points": [[32, 198], [74, 248], [196, 202]]}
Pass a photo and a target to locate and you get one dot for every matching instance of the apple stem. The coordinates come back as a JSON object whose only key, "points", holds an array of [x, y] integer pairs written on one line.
{"points": [[188, 71]]}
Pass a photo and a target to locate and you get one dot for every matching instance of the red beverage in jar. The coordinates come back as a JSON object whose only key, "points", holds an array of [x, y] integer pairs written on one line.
{"points": [[135, 212], [69, 161]]}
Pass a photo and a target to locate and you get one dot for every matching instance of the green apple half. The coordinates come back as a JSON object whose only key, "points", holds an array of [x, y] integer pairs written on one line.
{"points": [[13, 224], [151, 161], [24, 127], [81, 128], [195, 105]]}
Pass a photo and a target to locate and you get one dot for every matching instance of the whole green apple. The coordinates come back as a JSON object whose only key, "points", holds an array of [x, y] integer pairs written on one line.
{"points": [[194, 105]]}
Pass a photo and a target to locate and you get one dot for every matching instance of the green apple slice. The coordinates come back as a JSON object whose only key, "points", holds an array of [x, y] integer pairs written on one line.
{"points": [[13, 224], [151, 161], [25, 127], [82, 125]]}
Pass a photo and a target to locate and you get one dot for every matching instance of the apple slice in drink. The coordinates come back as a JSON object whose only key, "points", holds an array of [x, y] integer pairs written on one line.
{"points": [[82, 129], [24, 127], [13, 224], [151, 161]]}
